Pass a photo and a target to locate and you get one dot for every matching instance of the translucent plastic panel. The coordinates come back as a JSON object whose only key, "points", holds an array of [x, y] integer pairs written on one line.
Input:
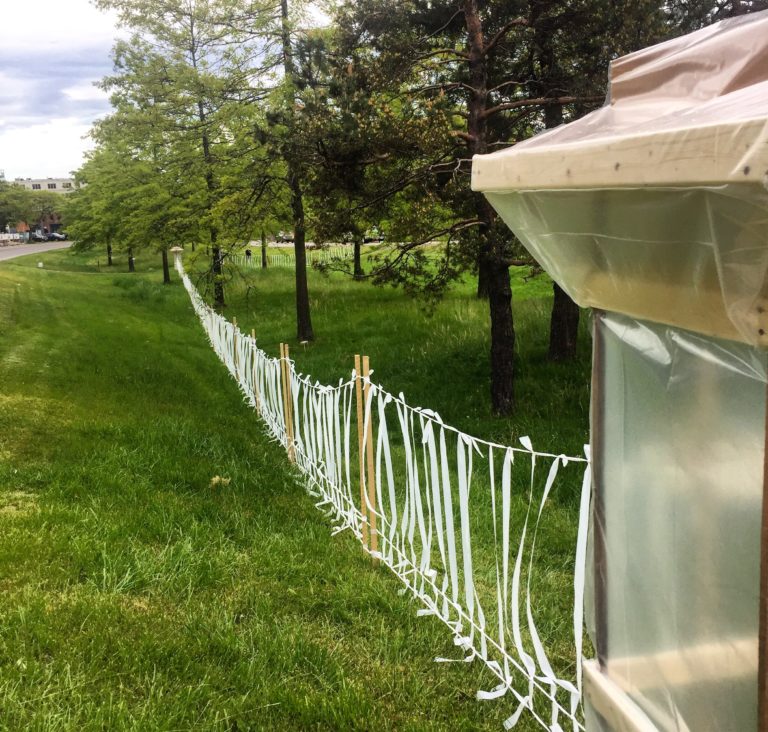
{"points": [[695, 258], [679, 470]]}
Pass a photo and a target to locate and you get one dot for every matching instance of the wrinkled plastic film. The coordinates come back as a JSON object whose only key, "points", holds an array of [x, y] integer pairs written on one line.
{"points": [[695, 258], [682, 474]]}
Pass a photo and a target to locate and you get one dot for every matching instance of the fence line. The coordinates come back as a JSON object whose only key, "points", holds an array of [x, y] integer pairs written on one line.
{"points": [[314, 256], [463, 540]]}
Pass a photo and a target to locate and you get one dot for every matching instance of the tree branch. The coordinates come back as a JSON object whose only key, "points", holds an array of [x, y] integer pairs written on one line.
{"points": [[537, 102], [515, 22]]}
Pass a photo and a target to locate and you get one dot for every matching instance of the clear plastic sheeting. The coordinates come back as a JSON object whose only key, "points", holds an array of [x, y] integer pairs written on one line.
{"points": [[673, 603], [696, 257]]}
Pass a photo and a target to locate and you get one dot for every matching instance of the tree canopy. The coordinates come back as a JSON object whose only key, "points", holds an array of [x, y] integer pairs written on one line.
{"points": [[235, 117]]}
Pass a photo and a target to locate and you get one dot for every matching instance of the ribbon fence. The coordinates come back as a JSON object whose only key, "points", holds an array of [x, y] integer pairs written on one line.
{"points": [[286, 259], [456, 518]]}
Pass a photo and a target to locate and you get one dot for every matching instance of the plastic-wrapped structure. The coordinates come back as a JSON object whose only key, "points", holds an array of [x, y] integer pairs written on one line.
{"points": [[654, 211]]}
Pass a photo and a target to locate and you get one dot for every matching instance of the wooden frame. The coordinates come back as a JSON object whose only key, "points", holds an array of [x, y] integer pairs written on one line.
{"points": [[714, 154], [762, 652]]}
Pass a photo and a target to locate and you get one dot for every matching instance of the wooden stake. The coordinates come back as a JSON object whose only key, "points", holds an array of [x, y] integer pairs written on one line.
{"points": [[361, 454], [234, 348], [369, 460], [289, 406], [282, 382], [255, 376]]}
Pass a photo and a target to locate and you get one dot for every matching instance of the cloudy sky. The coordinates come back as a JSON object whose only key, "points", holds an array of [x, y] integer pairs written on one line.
{"points": [[51, 52]]}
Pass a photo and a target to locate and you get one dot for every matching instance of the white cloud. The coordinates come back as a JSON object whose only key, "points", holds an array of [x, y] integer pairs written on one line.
{"points": [[53, 148], [54, 24], [47, 97], [85, 93]]}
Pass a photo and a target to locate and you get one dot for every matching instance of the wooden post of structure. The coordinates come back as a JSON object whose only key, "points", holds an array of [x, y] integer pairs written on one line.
{"points": [[370, 478], [360, 447]]}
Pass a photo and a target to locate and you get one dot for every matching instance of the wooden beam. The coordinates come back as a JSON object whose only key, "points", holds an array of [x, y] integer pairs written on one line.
{"points": [[612, 703], [762, 656], [712, 154], [599, 529]]}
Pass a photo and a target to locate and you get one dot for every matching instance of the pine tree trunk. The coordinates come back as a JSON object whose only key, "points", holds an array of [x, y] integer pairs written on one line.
{"points": [[493, 272], [564, 319], [502, 341], [482, 280], [166, 271], [109, 255], [358, 264], [218, 284], [563, 326], [263, 249], [131, 263], [304, 330]]}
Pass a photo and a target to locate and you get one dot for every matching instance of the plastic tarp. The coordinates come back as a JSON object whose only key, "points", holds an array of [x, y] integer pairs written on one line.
{"points": [[680, 480], [656, 205]]}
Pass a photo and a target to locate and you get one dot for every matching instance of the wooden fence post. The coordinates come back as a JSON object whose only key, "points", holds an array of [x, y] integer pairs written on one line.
{"points": [[234, 348], [287, 400], [255, 373], [360, 446], [369, 460]]}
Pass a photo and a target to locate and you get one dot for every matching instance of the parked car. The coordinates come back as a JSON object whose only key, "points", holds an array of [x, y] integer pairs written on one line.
{"points": [[284, 237], [57, 236], [37, 236], [373, 236]]}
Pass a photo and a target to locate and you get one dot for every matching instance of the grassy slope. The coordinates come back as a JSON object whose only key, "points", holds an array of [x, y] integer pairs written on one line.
{"points": [[135, 596]]}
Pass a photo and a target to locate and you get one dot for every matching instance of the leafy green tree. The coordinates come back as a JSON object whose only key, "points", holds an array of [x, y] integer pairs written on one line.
{"points": [[176, 86]]}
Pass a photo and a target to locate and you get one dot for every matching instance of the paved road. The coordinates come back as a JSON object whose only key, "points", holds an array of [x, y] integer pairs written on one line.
{"points": [[19, 250]]}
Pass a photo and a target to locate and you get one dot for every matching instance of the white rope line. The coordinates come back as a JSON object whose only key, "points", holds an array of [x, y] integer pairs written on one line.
{"points": [[435, 490]]}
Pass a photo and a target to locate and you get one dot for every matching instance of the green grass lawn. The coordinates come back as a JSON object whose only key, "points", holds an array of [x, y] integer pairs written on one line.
{"points": [[137, 596]]}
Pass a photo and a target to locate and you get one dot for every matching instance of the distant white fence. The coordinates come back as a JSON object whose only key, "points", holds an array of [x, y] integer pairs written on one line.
{"points": [[456, 518], [314, 256]]}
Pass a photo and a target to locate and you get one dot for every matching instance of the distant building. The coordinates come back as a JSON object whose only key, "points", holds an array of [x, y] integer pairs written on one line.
{"points": [[55, 185]]}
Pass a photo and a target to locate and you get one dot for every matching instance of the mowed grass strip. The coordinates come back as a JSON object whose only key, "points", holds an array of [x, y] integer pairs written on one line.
{"points": [[136, 594]]}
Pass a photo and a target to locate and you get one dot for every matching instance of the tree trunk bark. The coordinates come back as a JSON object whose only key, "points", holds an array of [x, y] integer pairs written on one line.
{"points": [[218, 284], [166, 270], [563, 326], [263, 249], [304, 330], [564, 319], [358, 264], [131, 263], [492, 271], [502, 341], [109, 255], [482, 280]]}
